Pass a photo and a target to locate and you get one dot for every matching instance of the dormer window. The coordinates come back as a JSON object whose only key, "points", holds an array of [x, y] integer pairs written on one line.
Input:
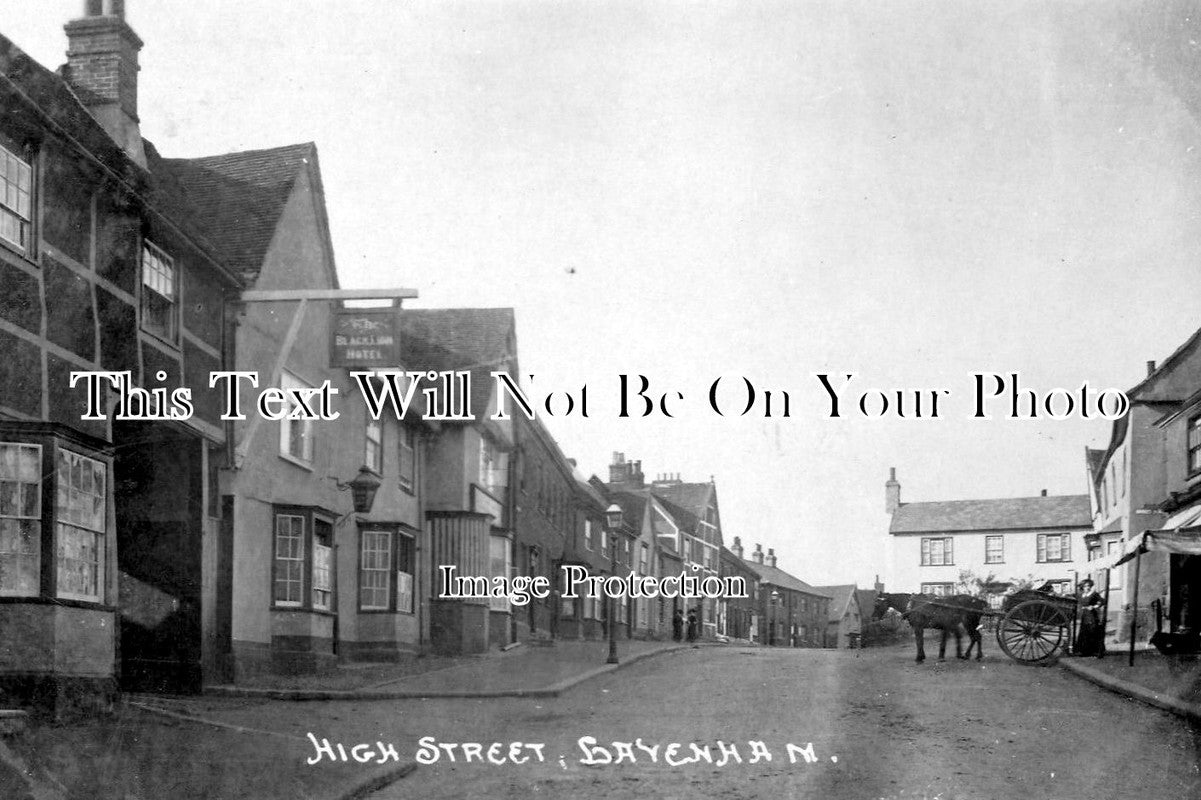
{"points": [[16, 191], [160, 293]]}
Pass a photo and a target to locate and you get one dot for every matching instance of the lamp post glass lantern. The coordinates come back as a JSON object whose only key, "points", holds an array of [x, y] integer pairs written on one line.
{"points": [[363, 489], [613, 523]]}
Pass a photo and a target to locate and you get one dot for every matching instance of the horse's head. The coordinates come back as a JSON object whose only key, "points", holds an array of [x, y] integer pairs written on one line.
{"points": [[896, 603]]}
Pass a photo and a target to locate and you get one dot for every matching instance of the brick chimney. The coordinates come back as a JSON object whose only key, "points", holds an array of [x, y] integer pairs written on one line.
{"points": [[757, 556], [736, 548], [892, 492], [771, 556], [626, 474], [102, 68], [1150, 367]]}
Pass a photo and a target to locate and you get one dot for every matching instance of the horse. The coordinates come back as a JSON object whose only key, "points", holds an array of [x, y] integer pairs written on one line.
{"points": [[952, 614]]}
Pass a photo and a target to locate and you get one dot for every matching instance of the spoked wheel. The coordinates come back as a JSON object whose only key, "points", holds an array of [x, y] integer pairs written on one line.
{"points": [[1032, 631]]}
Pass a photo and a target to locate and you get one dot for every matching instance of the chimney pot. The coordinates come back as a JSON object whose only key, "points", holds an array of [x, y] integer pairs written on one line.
{"points": [[892, 492], [1150, 367], [102, 68], [1044, 493]]}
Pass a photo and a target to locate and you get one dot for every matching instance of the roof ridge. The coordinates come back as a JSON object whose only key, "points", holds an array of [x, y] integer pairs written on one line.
{"points": [[258, 151]]}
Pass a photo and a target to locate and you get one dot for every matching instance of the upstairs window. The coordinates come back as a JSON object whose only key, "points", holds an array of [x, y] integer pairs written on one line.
{"points": [[937, 552], [295, 435], [1194, 445], [16, 192], [408, 458], [994, 549], [160, 307], [1053, 547], [373, 450]]}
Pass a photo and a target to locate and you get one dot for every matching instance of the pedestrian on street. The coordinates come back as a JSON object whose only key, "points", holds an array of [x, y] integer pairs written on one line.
{"points": [[692, 626], [677, 625], [1090, 640]]}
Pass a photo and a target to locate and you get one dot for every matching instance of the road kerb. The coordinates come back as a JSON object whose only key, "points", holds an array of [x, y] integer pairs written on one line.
{"points": [[1190, 711]]}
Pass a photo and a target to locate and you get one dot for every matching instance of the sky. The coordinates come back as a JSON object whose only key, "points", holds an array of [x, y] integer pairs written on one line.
{"points": [[909, 192]]}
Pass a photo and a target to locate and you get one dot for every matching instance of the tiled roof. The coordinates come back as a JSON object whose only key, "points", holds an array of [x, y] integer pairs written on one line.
{"points": [[1012, 513], [240, 196], [472, 339], [840, 596], [455, 338], [780, 578], [693, 497], [633, 508]]}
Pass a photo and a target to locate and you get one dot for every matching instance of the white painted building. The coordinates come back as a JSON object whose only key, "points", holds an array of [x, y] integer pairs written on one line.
{"points": [[1007, 540]]}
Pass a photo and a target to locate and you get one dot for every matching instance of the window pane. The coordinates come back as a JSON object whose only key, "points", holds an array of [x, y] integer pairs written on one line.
{"points": [[289, 559]]}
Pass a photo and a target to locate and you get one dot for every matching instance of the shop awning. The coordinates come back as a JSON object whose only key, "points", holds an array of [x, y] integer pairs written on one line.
{"points": [[1181, 534]]}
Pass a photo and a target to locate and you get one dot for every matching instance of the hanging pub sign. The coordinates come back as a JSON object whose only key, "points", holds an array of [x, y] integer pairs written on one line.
{"points": [[364, 338]]}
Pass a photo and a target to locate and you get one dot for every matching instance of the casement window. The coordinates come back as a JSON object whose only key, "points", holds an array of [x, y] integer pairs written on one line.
{"points": [[589, 544], [937, 552], [160, 298], [994, 549], [938, 589], [20, 519], [373, 451], [408, 458], [386, 570], [1052, 547], [323, 552], [629, 555], [304, 569], [644, 560], [80, 511], [604, 542], [295, 435], [16, 200], [1194, 445]]}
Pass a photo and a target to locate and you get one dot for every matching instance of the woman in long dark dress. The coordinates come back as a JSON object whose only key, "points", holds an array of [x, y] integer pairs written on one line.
{"points": [[1090, 640]]}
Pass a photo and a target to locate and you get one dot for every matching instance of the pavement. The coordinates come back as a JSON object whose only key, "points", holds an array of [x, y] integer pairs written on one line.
{"points": [[538, 670], [1171, 683]]}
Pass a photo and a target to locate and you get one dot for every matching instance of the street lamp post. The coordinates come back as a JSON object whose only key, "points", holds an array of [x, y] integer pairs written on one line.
{"points": [[613, 524]]}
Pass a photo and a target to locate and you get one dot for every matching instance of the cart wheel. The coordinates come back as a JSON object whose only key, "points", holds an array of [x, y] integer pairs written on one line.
{"points": [[1032, 631]]}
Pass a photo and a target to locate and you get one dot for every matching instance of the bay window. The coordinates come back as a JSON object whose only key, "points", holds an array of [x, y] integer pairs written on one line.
{"points": [[20, 519], [54, 521], [304, 569], [386, 570], [79, 515]]}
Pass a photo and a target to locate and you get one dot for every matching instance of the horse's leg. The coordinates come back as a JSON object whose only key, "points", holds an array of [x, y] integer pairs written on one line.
{"points": [[919, 633], [959, 630], [942, 644], [978, 640]]}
